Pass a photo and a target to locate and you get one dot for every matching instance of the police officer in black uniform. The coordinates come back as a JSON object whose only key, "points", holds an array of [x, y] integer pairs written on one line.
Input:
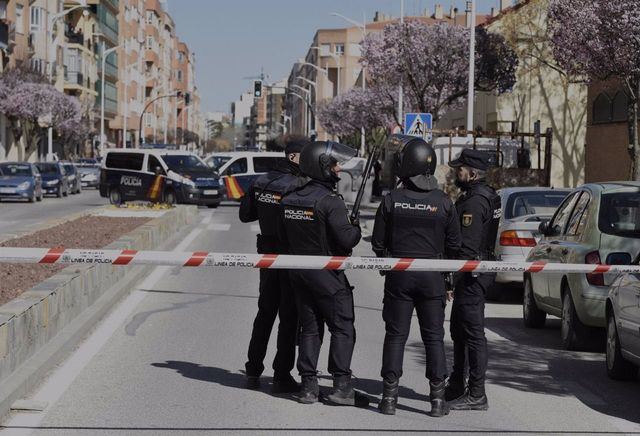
{"points": [[416, 220], [315, 222], [262, 203], [479, 211]]}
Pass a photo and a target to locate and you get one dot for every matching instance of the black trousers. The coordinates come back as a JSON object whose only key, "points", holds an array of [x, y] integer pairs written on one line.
{"points": [[467, 331], [405, 292], [276, 299], [335, 309]]}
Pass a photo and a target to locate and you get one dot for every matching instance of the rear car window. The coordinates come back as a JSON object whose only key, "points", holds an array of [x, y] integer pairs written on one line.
{"points": [[237, 167], [620, 214], [15, 170], [125, 161], [48, 168], [533, 203], [266, 164]]}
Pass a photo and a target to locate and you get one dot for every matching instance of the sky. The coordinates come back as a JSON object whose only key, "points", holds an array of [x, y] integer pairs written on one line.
{"points": [[233, 39]]}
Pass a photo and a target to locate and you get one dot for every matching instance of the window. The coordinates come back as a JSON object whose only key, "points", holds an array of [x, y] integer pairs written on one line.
{"points": [[179, 75], [19, 21], [154, 163], [3, 9], [559, 222], [36, 18], [265, 164], [620, 214], [620, 107], [149, 42], [602, 109], [181, 56], [125, 161], [340, 49], [579, 218], [237, 167], [533, 203], [149, 17]]}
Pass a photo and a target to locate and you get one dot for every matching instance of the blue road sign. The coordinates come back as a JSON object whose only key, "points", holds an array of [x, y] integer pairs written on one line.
{"points": [[418, 124]]}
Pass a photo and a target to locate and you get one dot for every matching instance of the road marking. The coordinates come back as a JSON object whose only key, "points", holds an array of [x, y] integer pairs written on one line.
{"points": [[219, 227], [207, 218], [255, 228], [61, 378]]}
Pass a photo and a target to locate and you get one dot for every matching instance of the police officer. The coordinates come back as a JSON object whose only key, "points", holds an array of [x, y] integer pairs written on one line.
{"points": [[262, 203], [416, 220], [315, 222], [479, 211]]}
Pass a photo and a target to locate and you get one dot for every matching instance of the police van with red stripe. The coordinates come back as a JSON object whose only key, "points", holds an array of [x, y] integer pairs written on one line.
{"points": [[169, 176]]}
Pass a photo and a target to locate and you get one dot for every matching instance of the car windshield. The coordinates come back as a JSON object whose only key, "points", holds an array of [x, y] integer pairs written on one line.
{"points": [[217, 161], [533, 203], [187, 162], [68, 168], [15, 170], [620, 214], [48, 168]]}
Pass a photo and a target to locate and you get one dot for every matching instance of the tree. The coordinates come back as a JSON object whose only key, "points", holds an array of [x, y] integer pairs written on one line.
{"points": [[599, 40], [431, 62]]}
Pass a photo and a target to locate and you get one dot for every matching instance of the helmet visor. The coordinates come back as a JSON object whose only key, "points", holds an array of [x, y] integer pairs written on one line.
{"points": [[340, 153]]}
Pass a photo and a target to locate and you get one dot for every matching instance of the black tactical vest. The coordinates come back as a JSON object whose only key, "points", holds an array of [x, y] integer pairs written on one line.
{"points": [[491, 223], [418, 223], [304, 224], [268, 190]]}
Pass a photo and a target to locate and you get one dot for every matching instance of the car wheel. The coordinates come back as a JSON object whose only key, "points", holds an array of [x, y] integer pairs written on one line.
{"points": [[33, 197], [40, 197], [572, 331], [533, 317], [618, 368], [59, 193], [115, 197], [170, 197], [66, 192]]}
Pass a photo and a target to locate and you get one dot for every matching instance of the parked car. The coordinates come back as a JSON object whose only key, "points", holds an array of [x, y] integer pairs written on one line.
{"points": [[159, 175], [89, 174], [73, 178], [596, 224], [20, 180], [623, 326], [239, 169], [54, 178], [523, 209]]}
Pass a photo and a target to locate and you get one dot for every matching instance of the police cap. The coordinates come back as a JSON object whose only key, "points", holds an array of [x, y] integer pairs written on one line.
{"points": [[478, 159]]}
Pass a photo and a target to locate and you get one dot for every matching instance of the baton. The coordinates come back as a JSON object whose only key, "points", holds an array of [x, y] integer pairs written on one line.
{"points": [[355, 212]]}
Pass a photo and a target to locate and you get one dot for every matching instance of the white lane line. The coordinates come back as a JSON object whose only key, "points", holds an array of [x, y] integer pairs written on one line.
{"points": [[255, 228], [60, 380], [207, 218], [219, 227]]}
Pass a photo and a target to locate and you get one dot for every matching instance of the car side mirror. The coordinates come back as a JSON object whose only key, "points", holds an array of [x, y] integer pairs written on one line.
{"points": [[543, 228], [619, 259]]}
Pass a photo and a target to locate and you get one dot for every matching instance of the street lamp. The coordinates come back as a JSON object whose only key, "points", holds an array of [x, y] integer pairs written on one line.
{"points": [[50, 44], [471, 7], [105, 54], [322, 70], [126, 104], [307, 109], [336, 59]]}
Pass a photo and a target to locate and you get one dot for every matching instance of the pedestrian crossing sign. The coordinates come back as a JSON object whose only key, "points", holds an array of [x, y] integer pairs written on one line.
{"points": [[418, 124]]}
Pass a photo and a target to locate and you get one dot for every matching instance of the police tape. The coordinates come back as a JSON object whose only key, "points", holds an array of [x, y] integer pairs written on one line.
{"points": [[281, 261]]}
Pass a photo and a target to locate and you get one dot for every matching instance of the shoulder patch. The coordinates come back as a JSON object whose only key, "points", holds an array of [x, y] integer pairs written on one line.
{"points": [[467, 219]]}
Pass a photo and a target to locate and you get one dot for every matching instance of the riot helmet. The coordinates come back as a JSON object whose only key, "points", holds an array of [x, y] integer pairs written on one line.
{"points": [[317, 159], [415, 160]]}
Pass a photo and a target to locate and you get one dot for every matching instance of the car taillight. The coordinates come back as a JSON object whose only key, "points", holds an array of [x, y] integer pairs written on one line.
{"points": [[512, 238], [593, 258]]}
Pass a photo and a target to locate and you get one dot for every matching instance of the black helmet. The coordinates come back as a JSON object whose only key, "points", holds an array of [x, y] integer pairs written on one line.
{"points": [[414, 160], [318, 157]]}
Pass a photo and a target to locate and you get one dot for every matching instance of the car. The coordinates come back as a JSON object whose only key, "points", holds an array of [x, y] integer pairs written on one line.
{"points": [[89, 173], [54, 178], [598, 223], [159, 175], [523, 209], [623, 326], [238, 169], [20, 180], [73, 178]]}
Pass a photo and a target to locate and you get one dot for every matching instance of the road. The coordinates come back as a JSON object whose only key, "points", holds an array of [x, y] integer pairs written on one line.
{"points": [[18, 216], [169, 360]]}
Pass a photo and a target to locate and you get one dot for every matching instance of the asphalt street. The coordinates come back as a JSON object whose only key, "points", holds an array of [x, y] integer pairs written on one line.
{"points": [[169, 361], [18, 216]]}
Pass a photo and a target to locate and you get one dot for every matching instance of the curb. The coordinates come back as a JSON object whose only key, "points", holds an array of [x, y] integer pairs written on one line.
{"points": [[39, 328]]}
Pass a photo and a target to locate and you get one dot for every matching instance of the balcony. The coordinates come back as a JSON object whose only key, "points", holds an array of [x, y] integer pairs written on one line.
{"points": [[74, 38], [73, 78]]}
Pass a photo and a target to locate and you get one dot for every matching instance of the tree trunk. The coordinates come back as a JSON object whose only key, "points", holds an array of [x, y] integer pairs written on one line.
{"points": [[634, 130]]}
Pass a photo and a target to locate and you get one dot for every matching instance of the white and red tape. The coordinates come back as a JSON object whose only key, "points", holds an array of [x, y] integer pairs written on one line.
{"points": [[275, 261]]}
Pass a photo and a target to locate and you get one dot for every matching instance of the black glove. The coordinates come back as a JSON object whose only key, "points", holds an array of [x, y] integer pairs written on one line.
{"points": [[355, 222]]}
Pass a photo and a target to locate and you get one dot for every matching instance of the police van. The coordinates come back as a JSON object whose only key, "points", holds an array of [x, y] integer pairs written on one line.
{"points": [[159, 176], [238, 169]]}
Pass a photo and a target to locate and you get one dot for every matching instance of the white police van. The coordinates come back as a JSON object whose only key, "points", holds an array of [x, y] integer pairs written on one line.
{"points": [[159, 175], [238, 169]]}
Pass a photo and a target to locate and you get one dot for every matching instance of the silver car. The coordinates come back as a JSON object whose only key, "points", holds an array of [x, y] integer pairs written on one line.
{"points": [[623, 327], [597, 223], [523, 209]]}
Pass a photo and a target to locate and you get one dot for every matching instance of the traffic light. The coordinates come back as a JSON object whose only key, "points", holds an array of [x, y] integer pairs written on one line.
{"points": [[187, 98], [257, 88]]}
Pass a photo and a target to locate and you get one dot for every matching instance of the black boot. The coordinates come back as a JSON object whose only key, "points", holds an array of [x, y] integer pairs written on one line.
{"points": [[471, 401], [387, 405], [253, 382], [284, 384], [455, 388], [309, 392], [343, 394], [439, 406]]}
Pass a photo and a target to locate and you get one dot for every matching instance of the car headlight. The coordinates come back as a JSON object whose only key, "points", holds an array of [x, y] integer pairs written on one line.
{"points": [[24, 185]]}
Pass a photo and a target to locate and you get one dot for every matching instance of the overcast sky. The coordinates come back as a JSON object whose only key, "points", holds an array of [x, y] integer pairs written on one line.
{"points": [[233, 39]]}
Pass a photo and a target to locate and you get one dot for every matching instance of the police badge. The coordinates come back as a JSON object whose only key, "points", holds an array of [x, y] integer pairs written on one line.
{"points": [[467, 219]]}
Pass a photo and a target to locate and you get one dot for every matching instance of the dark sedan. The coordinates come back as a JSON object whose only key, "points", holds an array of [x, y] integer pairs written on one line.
{"points": [[20, 180], [73, 178], [54, 178]]}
